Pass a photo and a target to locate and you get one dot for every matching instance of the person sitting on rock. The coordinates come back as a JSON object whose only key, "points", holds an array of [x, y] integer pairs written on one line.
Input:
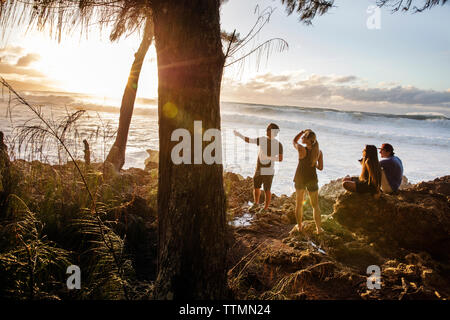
{"points": [[270, 150], [310, 158], [370, 179], [392, 169]]}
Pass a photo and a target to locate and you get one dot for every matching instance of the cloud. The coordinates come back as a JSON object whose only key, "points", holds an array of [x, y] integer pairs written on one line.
{"points": [[10, 54], [15, 64], [6, 68], [345, 79], [269, 77], [399, 94], [314, 80], [30, 85], [257, 85], [326, 90], [25, 61], [388, 84], [11, 50], [312, 91]]}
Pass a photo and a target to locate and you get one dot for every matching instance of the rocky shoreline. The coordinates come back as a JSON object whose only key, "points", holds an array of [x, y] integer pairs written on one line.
{"points": [[407, 235]]}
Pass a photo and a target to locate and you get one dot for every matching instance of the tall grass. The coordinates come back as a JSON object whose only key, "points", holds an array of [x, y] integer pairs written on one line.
{"points": [[73, 204], [33, 263]]}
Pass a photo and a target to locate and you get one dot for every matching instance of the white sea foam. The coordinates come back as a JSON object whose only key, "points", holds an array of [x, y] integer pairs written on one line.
{"points": [[421, 140]]}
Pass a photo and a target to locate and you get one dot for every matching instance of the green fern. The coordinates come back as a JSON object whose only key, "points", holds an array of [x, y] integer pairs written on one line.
{"points": [[35, 263], [109, 267]]}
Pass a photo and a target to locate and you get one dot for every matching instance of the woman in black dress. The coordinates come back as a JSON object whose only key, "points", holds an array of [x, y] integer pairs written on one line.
{"points": [[310, 158], [369, 180]]}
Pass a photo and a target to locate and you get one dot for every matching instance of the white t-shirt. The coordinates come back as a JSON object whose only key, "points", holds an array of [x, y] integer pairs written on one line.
{"points": [[269, 151]]}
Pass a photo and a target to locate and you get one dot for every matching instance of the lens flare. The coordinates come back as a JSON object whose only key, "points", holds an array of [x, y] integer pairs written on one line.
{"points": [[170, 110]]}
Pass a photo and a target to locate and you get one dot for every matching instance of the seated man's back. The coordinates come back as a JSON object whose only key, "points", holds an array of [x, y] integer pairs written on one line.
{"points": [[393, 168]]}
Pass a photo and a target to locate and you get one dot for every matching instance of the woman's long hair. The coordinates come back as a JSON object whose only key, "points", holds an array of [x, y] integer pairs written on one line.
{"points": [[311, 136], [371, 171]]}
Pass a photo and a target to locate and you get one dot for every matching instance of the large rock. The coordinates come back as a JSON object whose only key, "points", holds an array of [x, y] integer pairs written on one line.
{"points": [[332, 190], [417, 218], [152, 161], [239, 190], [438, 185]]}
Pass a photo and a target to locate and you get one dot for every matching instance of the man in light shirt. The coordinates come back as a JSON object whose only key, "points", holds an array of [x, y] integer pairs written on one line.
{"points": [[270, 150]]}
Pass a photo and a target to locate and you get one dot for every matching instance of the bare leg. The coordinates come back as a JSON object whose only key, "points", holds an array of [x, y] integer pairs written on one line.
{"points": [[268, 198], [256, 194], [314, 197], [299, 207]]}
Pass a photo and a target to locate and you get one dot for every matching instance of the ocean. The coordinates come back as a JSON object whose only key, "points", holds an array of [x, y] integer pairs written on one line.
{"points": [[420, 140]]}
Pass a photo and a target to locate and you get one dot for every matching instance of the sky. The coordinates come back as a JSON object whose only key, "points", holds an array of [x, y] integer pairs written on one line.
{"points": [[352, 58]]}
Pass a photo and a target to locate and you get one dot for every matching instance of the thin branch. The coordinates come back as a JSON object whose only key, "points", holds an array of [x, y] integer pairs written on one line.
{"points": [[108, 242], [266, 46], [405, 5]]}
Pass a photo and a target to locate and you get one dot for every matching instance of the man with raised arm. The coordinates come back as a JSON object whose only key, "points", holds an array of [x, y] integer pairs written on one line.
{"points": [[270, 150]]}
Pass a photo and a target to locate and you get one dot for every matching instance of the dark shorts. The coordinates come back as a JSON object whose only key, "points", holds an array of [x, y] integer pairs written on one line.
{"points": [[310, 186], [364, 187], [259, 180]]}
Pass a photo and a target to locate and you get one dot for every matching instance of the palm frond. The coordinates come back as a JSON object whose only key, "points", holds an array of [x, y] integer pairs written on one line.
{"points": [[405, 5], [60, 17], [247, 46], [109, 267], [307, 10]]}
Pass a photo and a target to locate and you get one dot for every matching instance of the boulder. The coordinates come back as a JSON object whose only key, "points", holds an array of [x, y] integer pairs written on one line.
{"points": [[405, 183], [332, 190], [239, 190], [417, 218], [152, 161], [438, 185]]}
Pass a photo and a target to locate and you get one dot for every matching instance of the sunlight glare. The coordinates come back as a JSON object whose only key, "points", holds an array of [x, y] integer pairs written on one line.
{"points": [[94, 66]]}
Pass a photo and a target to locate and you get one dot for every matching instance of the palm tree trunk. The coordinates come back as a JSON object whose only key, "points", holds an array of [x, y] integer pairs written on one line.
{"points": [[116, 155], [191, 199]]}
